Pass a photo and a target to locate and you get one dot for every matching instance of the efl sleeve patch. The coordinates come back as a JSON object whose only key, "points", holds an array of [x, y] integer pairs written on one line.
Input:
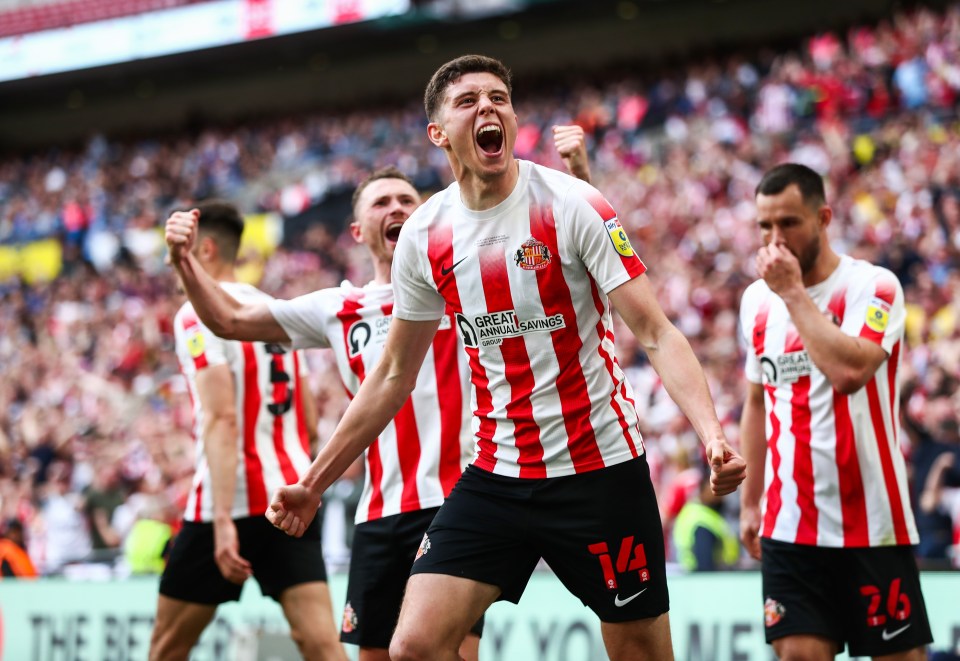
{"points": [[878, 315], [196, 345], [619, 237]]}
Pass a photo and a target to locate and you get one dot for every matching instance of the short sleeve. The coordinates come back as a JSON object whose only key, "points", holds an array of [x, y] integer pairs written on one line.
{"points": [[877, 313], [197, 347], [415, 294], [599, 238], [305, 318], [751, 367]]}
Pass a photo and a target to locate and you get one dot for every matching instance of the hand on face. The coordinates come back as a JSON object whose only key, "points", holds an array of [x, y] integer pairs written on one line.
{"points": [[779, 268]]}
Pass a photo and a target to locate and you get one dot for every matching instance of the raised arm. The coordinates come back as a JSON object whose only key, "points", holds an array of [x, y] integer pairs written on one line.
{"points": [[678, 367], [219, 311], [378, 400], [753, 445], [572, 147]]}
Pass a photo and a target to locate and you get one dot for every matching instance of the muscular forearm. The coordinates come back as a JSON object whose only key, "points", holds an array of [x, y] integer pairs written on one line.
{"points": [[378, 400], [220, 446], [222, 313], [753, 445], [678, 367], [847, 362]]}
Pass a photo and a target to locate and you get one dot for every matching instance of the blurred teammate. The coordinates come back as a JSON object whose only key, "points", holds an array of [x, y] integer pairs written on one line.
{"points": [[824, 334], [526, 258], [253, 424], [416, 460]]}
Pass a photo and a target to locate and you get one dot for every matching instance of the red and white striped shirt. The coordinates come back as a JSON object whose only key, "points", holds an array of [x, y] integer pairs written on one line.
{"points": [[835, 475], [417, 459], [273, 444], [527, 281]]}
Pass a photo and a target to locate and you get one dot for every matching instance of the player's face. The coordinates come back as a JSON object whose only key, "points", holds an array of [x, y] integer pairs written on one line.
{"points": [[478, 120], [382, 208], [784, 219]]}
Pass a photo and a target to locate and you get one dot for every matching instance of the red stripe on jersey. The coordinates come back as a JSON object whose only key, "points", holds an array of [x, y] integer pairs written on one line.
{"points": [[610, 361], [632, 264], [298, 400], [450, 395], [375, 469], [773, 497], [571, 384], [281, 390], [893, 362], [439, 253], [516, 364], [408, 455], [199, 502], [253, 467], [348, 316], [802, 453], [853, 504], [886, 463], [885, 291]]}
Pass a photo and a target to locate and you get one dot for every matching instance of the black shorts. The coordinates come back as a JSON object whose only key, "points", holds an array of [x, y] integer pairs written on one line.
{"points": [[278, 561], [383, 551], [599, 531], [867, 598]]}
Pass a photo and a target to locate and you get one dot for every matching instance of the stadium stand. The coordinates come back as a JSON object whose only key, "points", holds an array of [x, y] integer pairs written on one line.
{"points": [[25, 17], [90, 379]]}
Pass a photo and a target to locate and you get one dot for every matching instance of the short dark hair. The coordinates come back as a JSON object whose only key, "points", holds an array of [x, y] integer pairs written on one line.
{"points": [[222, 222], [388, 172], [776, 180], [450, 72]]}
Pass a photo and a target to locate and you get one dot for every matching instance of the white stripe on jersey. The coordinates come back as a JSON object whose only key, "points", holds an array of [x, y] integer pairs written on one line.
{"points": [[528, 282], [273, 445], [835, 474], [418, 457]]}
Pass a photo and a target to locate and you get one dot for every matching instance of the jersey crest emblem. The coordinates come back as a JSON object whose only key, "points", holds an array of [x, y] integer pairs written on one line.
{"points": [[533, 255], [878, 315], [196, 345], [349, 624], [619, 237]]}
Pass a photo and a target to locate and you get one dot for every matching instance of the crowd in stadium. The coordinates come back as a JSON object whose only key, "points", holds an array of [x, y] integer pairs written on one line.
{"points": [[94, 418]]}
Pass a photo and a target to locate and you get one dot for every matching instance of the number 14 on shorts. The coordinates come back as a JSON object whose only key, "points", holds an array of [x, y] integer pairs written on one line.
{"points": [[629, 558]]}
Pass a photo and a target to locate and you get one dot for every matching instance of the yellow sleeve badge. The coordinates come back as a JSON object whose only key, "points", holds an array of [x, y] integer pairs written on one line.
{"points": [[878, 315], [196, 344], [619, 237]]}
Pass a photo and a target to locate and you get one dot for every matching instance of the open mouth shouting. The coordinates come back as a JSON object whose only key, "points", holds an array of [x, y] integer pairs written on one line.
{"points": [[490, 140], [392, 232]]}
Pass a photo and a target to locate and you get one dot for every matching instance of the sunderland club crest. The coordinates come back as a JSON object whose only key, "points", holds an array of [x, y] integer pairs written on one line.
{"points": [[533, 255]]}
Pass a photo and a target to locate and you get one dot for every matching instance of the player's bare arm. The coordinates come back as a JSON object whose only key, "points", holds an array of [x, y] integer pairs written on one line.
{"points": [[847, 362], [378, 400], [571, 144], [217, 397], [219, 311], [678, 367], [753, 445]]}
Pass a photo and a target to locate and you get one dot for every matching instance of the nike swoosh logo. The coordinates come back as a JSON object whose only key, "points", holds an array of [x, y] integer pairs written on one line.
{"points": [[618, 602], [890, 635], [447, 271]]}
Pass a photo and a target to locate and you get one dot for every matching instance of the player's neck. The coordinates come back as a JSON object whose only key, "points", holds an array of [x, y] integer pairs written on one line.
{"points": [[220, 272], [381, 272], [481, 193], [826, 264]]}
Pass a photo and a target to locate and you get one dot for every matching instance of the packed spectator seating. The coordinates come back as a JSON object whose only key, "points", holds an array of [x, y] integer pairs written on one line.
{"points": [[26, 17], [90, 379]]}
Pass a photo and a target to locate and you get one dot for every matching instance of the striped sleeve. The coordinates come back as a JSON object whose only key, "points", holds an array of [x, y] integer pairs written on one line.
{"points": [[599, 238], [878, 313], [197, 347]]}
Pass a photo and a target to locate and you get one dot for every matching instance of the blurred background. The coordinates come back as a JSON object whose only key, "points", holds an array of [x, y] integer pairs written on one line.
{"points": [[114, 113]]}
